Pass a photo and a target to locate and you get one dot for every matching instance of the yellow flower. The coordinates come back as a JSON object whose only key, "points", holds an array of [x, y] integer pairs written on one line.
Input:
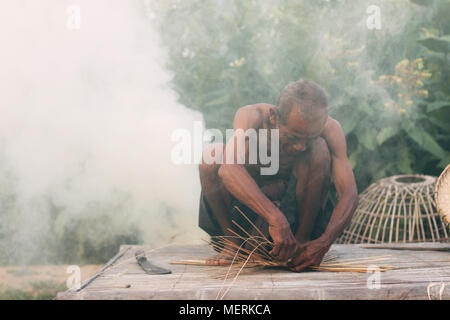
{"points": [[423, 93], [401, 66], [426, 74], [238, 63], [418, 63], [397, 79]]}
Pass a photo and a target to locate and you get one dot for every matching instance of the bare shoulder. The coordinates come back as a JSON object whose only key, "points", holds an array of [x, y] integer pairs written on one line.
{"points": [[332, 126], [334, 136], [251, 116]]}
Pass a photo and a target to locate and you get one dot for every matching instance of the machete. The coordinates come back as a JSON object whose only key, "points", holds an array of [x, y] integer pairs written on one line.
{"points": [[147, 266]]}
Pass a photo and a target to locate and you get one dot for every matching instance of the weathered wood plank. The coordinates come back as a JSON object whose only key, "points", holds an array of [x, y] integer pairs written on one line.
{"points": [[417, 270]]}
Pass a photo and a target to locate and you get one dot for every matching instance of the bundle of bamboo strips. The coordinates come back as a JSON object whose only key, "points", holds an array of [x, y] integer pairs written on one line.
{"points": [[254, 251]]}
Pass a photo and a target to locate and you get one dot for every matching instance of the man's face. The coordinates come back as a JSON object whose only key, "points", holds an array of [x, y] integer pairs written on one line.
{"points": [[298, 133]]}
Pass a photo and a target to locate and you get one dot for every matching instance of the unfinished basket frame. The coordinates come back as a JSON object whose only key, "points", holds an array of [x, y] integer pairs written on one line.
{"points": [[397, 209], [442, 194]]}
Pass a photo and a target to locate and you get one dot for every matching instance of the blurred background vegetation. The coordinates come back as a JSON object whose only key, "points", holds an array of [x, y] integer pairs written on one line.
{"points": [[389, 88]]}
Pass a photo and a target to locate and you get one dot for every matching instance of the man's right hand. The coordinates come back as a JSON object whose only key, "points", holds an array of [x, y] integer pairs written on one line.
{"points": [[284, 243]]}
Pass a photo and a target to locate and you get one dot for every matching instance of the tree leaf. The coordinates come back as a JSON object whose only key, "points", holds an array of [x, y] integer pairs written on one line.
{"points": [[426, 141], [348, 118], [386, 133], [352, 159], [422, 2], [367, 139], [444, 162], [403, 163], [436, 44], [348, 125], [441, 124], [217, 101], [437, 105]]}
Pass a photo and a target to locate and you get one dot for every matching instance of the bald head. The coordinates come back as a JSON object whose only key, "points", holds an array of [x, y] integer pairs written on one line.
{"points": [[305, 97]]}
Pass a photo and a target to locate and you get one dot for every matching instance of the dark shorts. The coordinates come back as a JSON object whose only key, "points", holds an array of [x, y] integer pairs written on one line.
{"points": [[288, 206]]}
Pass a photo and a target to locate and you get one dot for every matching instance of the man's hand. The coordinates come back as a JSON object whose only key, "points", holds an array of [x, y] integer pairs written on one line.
{"points": [[285, 244], [309, 254]]}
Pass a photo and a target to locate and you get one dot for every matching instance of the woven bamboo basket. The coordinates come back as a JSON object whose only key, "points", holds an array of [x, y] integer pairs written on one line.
{"points": [[442, 195], [397, 209]]}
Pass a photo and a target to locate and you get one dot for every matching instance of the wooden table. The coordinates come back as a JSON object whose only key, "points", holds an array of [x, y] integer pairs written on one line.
{"points": [[420, 275]]}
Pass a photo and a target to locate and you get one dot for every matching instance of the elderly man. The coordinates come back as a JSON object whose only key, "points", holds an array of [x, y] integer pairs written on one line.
{"points": [[293, 205]]}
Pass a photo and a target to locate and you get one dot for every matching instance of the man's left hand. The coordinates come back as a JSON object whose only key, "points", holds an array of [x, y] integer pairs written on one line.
{"points": [[309, 254]]}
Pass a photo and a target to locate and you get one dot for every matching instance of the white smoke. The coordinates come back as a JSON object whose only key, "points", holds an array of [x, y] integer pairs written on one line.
{"points": [[86, 115]]}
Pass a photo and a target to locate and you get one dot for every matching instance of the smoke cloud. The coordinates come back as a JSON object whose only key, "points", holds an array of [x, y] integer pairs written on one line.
{"points": [[86, 117]]}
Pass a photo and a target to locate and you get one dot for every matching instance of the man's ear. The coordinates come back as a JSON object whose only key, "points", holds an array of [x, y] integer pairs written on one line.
{"points": [[274, 118]]}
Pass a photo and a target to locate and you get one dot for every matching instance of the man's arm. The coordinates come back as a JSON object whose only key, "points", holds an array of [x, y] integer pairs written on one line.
{"points": [[311, 253], [344, 182], [241, 185]]}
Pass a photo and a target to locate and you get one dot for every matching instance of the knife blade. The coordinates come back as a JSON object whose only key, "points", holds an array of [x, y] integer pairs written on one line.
{"points": [[148, 267]]}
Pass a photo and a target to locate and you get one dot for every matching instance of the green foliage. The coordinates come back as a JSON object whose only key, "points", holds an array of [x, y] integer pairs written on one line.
{"points": [[92, 235], [89, 240], [227, 54], [40, 290]]}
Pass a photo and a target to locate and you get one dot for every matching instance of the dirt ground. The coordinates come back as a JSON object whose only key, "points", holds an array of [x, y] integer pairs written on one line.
{"points": [[25, 281]]}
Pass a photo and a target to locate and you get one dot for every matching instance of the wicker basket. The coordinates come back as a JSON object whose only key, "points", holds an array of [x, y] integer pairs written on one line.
{"points": [[442, 194], [397, 209]]}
